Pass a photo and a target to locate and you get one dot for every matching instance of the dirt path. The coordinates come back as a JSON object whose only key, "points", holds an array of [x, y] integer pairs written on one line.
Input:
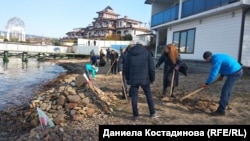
{"points": [[192, 110]]}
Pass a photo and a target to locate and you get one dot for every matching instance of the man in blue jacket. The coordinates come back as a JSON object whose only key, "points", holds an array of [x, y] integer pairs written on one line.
{"points": [[139, 71], [224, 66]]}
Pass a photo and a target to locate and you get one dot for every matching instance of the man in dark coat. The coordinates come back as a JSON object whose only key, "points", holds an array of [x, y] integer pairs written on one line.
{"points": [[94, 59], [114, 59], [108, 52], [139, 71], [102, 62]]}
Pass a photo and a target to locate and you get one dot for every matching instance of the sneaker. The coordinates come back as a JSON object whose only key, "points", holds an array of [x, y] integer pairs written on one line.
{"points": [[154, 116], [228, 108], [218, 113]]}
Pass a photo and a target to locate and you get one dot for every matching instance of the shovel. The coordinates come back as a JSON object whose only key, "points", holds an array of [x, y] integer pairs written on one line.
{"points": [[198, 90], [124, 91], [172, 84], [192, 93], [110, 68]]}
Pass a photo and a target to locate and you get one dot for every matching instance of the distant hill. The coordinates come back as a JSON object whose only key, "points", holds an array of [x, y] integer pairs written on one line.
{"points": [[3, 33]]}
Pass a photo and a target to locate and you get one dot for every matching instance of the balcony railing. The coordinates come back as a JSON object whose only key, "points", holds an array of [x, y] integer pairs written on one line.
{"points": [[189, 7]]}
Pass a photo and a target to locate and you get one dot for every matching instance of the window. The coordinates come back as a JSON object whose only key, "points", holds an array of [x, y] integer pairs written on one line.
{"points": [[162, 40], [125, 32], [184, 40]]}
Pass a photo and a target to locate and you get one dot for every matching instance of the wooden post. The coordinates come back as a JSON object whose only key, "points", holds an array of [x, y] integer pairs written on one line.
{"points": [[25, 57], [5, 56]]}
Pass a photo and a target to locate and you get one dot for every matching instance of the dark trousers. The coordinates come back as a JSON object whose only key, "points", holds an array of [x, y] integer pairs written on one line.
{"points": [[134, 94], [108, 57], [87, 73], [114, 67], [167, 80]]}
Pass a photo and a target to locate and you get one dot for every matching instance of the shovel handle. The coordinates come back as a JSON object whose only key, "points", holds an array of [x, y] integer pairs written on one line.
{"points": [[110, 67], [196, 91], [192, 93], [172, 83], [123, 87]]}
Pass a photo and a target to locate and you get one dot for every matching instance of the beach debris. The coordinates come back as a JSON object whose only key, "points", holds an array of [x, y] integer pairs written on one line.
{"points": [[44, 119]]}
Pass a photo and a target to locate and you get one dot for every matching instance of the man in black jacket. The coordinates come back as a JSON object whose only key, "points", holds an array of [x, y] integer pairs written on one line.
{"points": [[139, 71], [114, 59]]}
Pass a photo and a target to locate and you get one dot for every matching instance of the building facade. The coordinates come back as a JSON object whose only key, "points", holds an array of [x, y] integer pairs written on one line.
{"points": [[108, 26], [195, 26]]}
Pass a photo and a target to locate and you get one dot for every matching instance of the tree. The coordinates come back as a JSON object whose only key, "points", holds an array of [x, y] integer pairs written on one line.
{"points": [[128, 37], [56, 42], [113, 37], [28, 41], [5, 40]]}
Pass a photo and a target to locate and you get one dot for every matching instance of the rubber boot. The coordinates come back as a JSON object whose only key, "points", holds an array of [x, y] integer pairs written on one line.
{"points": [[164, 97]]}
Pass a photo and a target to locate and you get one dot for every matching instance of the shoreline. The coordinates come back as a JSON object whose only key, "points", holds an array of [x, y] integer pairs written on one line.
{"points": [[33, 88], [72, 66], [14, 113]]}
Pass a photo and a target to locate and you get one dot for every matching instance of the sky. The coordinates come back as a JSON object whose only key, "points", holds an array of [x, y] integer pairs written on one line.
{"points": [[54, 18]]}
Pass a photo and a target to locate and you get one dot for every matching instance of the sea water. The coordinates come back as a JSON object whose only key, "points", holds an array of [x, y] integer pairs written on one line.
{"points": [[19, 80]]}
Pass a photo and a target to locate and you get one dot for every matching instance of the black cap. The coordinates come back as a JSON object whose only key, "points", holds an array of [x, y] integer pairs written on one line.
{"points": [[207, 54]]}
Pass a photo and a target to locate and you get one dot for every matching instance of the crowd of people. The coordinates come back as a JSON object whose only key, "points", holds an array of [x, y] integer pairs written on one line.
{"points": [[136, 66]]}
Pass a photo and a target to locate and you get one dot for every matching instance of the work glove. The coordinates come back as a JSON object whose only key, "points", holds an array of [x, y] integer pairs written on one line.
{"points": [[205, 86], [176, 68]]}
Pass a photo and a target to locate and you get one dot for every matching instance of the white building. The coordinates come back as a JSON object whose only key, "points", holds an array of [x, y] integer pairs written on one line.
{"points": [[108, 26], [195, 26]]}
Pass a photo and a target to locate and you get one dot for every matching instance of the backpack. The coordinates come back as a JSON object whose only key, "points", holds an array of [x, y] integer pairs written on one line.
{"points": [[183, 68], [102, 62]]}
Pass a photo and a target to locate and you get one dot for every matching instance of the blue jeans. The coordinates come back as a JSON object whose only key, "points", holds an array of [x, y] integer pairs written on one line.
{"points": [[134, 94], [227, 89]]}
